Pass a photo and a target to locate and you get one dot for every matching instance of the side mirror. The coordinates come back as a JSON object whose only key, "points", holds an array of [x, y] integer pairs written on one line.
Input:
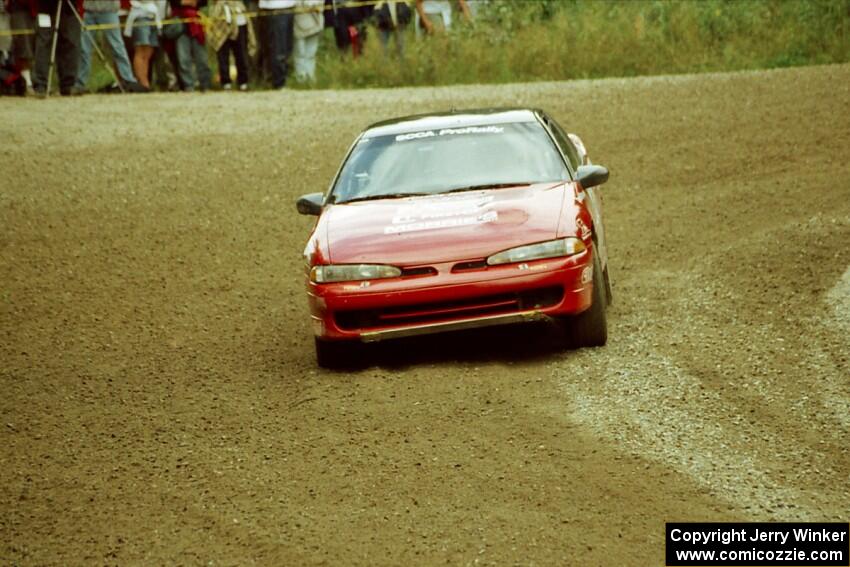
{"points": [[591, 175], [310, 204]]}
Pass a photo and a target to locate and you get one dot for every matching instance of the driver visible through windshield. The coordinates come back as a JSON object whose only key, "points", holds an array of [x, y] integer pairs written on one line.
{"points": [[449, 159]]}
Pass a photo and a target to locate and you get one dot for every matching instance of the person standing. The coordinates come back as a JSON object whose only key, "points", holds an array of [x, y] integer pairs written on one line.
{"points": [[21, 13], [230, 32], [143, 24], [436, 15], [104, 12], [67, 46], [391, 18], [11, 82], [309, 23], [278, 16], [191, 45], [349, 20]]}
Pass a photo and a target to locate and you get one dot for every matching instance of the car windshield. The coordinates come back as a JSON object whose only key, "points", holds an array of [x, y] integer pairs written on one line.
{"points": [[449, 159]]}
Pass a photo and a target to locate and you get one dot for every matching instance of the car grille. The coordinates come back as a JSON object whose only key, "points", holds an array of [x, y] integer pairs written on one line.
{"points": [[469, 266], [449, 310], [418, 272]]}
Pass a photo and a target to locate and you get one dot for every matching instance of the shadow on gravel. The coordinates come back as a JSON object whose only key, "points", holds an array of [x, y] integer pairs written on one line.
{"points": [[517, 343]]}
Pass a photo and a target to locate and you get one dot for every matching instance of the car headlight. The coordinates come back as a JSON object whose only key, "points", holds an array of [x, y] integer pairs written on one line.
{"points": [[550, 249], [352, 272]]}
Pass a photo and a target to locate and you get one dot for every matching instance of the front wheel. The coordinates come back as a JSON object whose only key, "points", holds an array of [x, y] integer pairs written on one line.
{"points": [[590, 328]]}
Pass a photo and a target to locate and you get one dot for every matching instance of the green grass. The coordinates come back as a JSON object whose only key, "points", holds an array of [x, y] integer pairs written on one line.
{"points": [[532, 40], [567, 39]]}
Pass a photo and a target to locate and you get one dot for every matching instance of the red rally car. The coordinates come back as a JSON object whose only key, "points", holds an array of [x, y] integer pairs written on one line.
{"points": [[451, 221]]}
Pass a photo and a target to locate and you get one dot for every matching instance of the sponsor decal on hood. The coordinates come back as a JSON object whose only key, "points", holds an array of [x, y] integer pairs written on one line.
{"points": [[447, 212], [437, 228]]}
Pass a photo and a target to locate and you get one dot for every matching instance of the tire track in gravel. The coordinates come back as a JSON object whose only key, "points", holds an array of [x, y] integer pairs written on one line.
{"points": [[762, 449], [734, 363]]}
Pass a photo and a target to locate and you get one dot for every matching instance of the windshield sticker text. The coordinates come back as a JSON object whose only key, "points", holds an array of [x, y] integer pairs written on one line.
{"points": [[450, 132]]}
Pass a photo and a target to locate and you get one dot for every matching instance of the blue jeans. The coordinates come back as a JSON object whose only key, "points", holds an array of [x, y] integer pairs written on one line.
{"points": [[116, 46], [191, 54], [385, 36], [279, 41], [145, 32]]}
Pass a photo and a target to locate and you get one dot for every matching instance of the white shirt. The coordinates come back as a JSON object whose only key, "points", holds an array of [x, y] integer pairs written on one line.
{"points": [[276, 4], [441, 8], [145, 9]]}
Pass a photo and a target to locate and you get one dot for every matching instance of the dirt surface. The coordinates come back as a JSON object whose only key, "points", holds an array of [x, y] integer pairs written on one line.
{"points": [[160, 400]]}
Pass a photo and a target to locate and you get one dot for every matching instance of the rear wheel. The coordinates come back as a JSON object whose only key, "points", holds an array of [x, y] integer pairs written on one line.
{"points": [[590, 328], [337, 354]]}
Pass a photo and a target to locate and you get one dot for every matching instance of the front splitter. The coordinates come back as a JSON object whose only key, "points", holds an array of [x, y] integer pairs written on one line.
{"points": [[477, 323]]}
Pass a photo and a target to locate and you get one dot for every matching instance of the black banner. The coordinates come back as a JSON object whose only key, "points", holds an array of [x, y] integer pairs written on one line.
{"points": [[758, 543]]}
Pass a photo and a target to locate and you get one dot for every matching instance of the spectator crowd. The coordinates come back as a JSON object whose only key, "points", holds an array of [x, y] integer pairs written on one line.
{"points": [[168, 44]]}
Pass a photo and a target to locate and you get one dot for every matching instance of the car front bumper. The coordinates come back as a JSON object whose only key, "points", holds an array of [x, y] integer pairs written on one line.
{"points": [[449, 301]]}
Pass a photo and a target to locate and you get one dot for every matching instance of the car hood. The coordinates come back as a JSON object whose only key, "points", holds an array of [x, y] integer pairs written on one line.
{"points": [[442, 228]]}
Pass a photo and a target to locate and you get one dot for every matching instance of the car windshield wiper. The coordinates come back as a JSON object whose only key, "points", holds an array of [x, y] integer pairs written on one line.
{"points": [[487, 186], [381, 196]]}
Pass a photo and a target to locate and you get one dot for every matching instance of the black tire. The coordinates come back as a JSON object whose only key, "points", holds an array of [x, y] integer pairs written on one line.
{"points": [[337, 354], [609, 295], [590, 328]]}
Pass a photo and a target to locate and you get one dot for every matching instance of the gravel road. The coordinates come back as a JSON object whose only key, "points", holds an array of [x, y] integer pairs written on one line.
{"points": [[161, 403]]}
